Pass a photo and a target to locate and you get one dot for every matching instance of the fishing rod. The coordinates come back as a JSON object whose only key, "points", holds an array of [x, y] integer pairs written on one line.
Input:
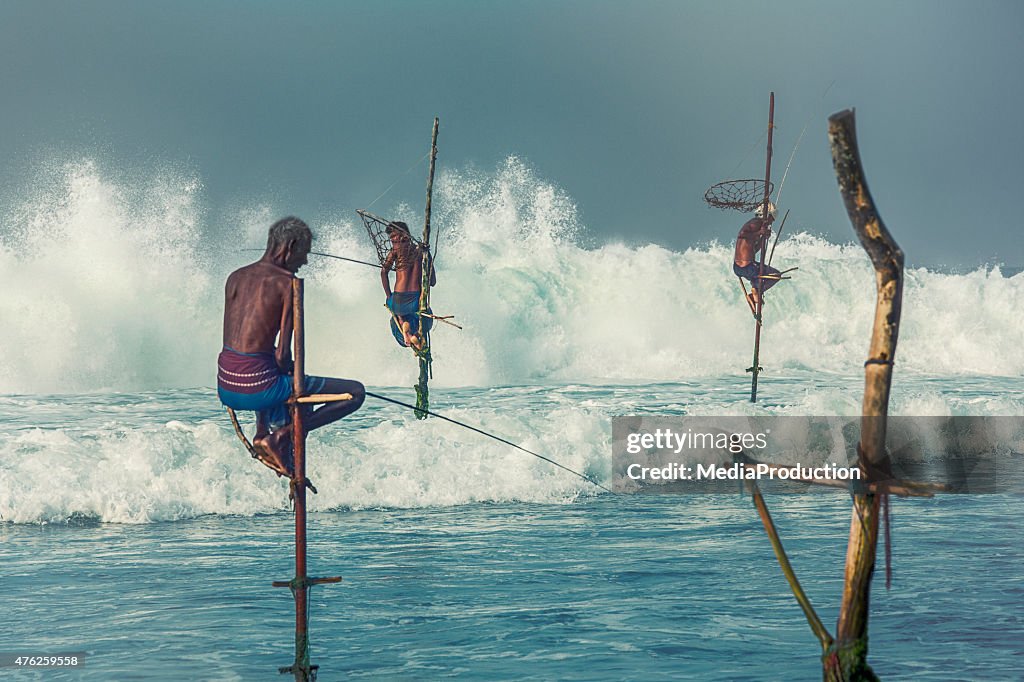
{"points": [[778, 195], [586, 478], [350, 260], [331, 255], [778, 234], [392, 185]]}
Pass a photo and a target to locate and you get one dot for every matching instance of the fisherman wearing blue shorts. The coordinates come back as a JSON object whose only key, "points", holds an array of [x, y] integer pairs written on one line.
{"points": [[752, 238], [255, 374], [406, 258]]}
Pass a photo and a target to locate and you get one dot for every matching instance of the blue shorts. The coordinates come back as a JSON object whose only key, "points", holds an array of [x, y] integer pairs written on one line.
{"points": [[407, 304], [751, 271], [270, 403]]}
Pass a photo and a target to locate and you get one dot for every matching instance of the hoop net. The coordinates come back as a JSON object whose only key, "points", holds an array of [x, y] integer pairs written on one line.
{"points": [[738, 195], [376, 228]]}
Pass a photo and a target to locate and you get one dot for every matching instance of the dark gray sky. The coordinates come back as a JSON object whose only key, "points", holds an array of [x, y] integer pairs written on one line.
{"points": [[632, 108]]}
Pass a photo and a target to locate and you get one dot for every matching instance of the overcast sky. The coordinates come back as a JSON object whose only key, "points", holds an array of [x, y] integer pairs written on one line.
{"points": [[632, 108]]}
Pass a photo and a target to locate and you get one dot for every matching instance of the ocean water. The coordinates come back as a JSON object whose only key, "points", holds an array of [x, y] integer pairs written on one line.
{"points": [[135, 528]]}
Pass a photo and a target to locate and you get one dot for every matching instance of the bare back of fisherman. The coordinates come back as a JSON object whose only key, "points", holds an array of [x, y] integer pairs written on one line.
{"points": [[406, 259], [254, 367]]}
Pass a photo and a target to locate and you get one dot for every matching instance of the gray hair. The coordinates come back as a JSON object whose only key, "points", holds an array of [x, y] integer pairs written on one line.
{"points": [[288, 230]]}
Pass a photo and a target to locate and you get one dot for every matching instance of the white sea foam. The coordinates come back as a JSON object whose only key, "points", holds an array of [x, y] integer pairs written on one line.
{"points": [[112, 283], [173, 455], [129, 472]]}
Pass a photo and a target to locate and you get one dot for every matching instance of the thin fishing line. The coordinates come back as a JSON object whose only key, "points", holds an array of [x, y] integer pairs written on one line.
{"points": [[331, 255], [391, 186], [586, 478], [376, 266], [778, 195], [747, 155]]}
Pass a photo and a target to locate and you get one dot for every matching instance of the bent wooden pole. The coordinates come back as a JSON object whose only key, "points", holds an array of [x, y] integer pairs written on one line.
{"points": [[848, 658]]}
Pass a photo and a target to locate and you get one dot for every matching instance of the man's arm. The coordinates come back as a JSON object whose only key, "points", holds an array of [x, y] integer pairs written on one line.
{"points": [[385, 272], [764, 234], [283, 352], [756, 232]]}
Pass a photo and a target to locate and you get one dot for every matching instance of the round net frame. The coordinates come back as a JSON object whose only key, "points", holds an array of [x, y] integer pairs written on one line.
{"points": [[738, 195], [376, 228]]}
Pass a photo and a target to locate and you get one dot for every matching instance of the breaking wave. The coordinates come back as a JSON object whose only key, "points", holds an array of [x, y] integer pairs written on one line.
{"points": [[114, 283]]}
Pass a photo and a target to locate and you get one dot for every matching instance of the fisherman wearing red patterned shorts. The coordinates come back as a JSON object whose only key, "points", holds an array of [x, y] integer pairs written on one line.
{"points": [[255, 374]]}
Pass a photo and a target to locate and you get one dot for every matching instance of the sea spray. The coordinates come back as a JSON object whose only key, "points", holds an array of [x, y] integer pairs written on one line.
{"points": [[116, 283]]}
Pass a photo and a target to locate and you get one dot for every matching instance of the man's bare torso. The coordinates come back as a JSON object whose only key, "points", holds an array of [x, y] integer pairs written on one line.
{"points": [[257, 306], [407, 261], [748, 241]]}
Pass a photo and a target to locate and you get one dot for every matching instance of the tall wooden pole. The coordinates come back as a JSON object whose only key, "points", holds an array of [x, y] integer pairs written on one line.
{"points": [[425, 288], [301, 667], [755, 368], [422, 387], [849, 655], [300, 584]]}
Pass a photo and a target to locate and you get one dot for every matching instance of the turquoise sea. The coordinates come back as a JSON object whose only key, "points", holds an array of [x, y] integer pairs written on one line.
{"points": [[136, 529]]}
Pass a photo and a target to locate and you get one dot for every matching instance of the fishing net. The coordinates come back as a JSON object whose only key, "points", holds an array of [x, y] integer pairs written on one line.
{"points": [[738, 195], [377, 227]]}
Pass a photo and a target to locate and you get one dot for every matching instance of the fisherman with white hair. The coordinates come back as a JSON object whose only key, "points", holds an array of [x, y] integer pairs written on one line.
{"points": [[752, 238]]}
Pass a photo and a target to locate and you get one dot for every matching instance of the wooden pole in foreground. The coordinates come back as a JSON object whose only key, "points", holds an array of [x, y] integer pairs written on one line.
{"points": [[755, 368], [301, 667], [847, 659], [300, 584], [425, 360]]}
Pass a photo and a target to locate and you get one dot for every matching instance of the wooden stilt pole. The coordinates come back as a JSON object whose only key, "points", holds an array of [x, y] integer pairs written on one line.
{"points": [[425, 359], [848, 658], [755, 368], [300, 584]]}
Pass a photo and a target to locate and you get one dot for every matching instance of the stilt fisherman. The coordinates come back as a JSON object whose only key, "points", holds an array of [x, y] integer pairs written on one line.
{"points": [[254, 373], [406, 259], [752, 238]]}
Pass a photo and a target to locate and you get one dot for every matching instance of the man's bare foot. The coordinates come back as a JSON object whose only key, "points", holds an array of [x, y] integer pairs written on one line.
{"points": [[413, 341], [407, 334], [275, 451]]}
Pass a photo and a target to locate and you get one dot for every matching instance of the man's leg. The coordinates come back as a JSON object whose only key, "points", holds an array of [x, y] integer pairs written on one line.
{"points": [[262, 427], [275, 451], [770, 278], [413, 338], [398, 330], [279, 442], [760, 284], [410, 337], [332, 412]]}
